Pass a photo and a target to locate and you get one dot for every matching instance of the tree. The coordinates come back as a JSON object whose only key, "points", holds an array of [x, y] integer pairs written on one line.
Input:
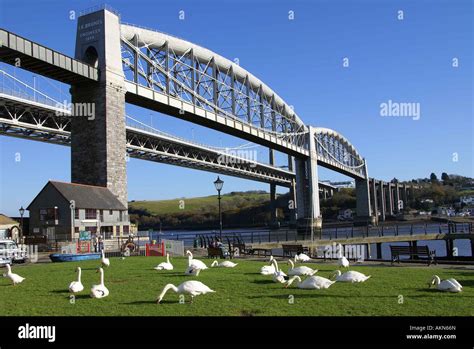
{"points": [[445, 177], [433, 178], [394, 180]]}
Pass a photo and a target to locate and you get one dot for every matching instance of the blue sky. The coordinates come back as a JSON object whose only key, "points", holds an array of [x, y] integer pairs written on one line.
{"points": [[302, 60]]}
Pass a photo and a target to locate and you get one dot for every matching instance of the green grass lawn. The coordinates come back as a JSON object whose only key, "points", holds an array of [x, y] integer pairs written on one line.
{"points": [[134, 287]]}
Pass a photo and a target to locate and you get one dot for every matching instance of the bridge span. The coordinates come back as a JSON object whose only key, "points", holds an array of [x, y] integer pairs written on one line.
{"points": [[116, 63]]}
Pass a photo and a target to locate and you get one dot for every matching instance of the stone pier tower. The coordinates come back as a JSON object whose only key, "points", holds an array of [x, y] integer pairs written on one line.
{"points": [[307, 187], [98, 143]]}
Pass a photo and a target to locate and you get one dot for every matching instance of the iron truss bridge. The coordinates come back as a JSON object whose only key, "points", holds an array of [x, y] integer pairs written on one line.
{"points": [[161, 69], [21, 116], [211, 89], [28, 113], [179, 78]]}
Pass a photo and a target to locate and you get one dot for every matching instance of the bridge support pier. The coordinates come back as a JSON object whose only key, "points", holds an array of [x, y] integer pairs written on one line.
{"points": [[307, 188], [382, 202], [374, 201], [363, 209], [397, 198], [273, 196], [404, 196], [98, 141], [292, 199], [389, 199]]}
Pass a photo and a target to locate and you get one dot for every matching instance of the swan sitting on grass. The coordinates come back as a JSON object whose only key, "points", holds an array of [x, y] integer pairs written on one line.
{"points": [[312, 282], [268, 269], [15, 278], [350, 276], [301, 257], [344, 262], [300, 270], [193, 288], [100, 291], [224, 264], [448, 285], [165, 265], [76, 286]]}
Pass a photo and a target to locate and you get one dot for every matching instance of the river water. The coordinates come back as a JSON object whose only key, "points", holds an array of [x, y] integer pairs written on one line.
{"points": [[253, 235]]}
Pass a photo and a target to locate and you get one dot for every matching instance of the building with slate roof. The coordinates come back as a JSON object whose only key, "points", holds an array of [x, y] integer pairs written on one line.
{"points": [[62, 210]]}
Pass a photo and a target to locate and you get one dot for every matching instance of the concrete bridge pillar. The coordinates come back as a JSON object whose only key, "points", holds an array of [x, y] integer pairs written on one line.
{"points": [[397, 198], [405, 195], [273, 196], [390, 199], [363, 210], [292, 204], [98, 141], [307, 187], [381, 198], [374, 201]]}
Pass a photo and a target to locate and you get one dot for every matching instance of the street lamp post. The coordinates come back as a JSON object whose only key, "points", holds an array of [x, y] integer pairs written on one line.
{"points": [[22, 212], [72, 206], [219, 183]]}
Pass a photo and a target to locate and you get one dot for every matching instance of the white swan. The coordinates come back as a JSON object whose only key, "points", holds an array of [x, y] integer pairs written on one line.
{"points": [[300, 270], [105, 261], [165, 265], [194, 265], [302, 257], [448, 285], [100, 291], [350, 276], [268, 269], [15, 278], [312, 282], [76, 286], [278, 275], [193, 288], [224, 264], [343, 262]]}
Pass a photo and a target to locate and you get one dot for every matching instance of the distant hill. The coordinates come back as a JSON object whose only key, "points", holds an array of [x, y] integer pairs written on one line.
{"points": [[238, 209]]}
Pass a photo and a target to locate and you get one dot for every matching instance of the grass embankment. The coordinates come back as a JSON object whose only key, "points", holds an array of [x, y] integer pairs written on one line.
{"points": [[134, 287], [206, 204]]}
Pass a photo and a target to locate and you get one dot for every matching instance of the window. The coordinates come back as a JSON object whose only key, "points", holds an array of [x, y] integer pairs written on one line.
{"points": [[91, 213], [111, 212], [76, 213], [48, 214], [101, 212], [125, 229], [120, 215]]}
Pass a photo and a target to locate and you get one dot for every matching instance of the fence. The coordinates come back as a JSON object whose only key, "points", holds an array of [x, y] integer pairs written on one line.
{"points": [[202, 239]]}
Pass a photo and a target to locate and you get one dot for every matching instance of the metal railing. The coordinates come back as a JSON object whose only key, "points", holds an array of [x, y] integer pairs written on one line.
{"points": [[289, 235]]}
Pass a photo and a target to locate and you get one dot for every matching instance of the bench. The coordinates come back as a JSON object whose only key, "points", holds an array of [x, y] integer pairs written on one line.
{"points": [[240, 248], [288, 250], [215, 252], [412, 251], [259, 251]]}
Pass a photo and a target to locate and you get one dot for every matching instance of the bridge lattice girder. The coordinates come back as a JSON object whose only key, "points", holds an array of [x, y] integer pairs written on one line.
{"points": [[205, 80], [23, 118], [336, 152]]}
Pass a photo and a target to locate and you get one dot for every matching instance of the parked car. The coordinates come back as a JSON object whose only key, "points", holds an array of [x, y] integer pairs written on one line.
{"points": [[10, 252]]}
